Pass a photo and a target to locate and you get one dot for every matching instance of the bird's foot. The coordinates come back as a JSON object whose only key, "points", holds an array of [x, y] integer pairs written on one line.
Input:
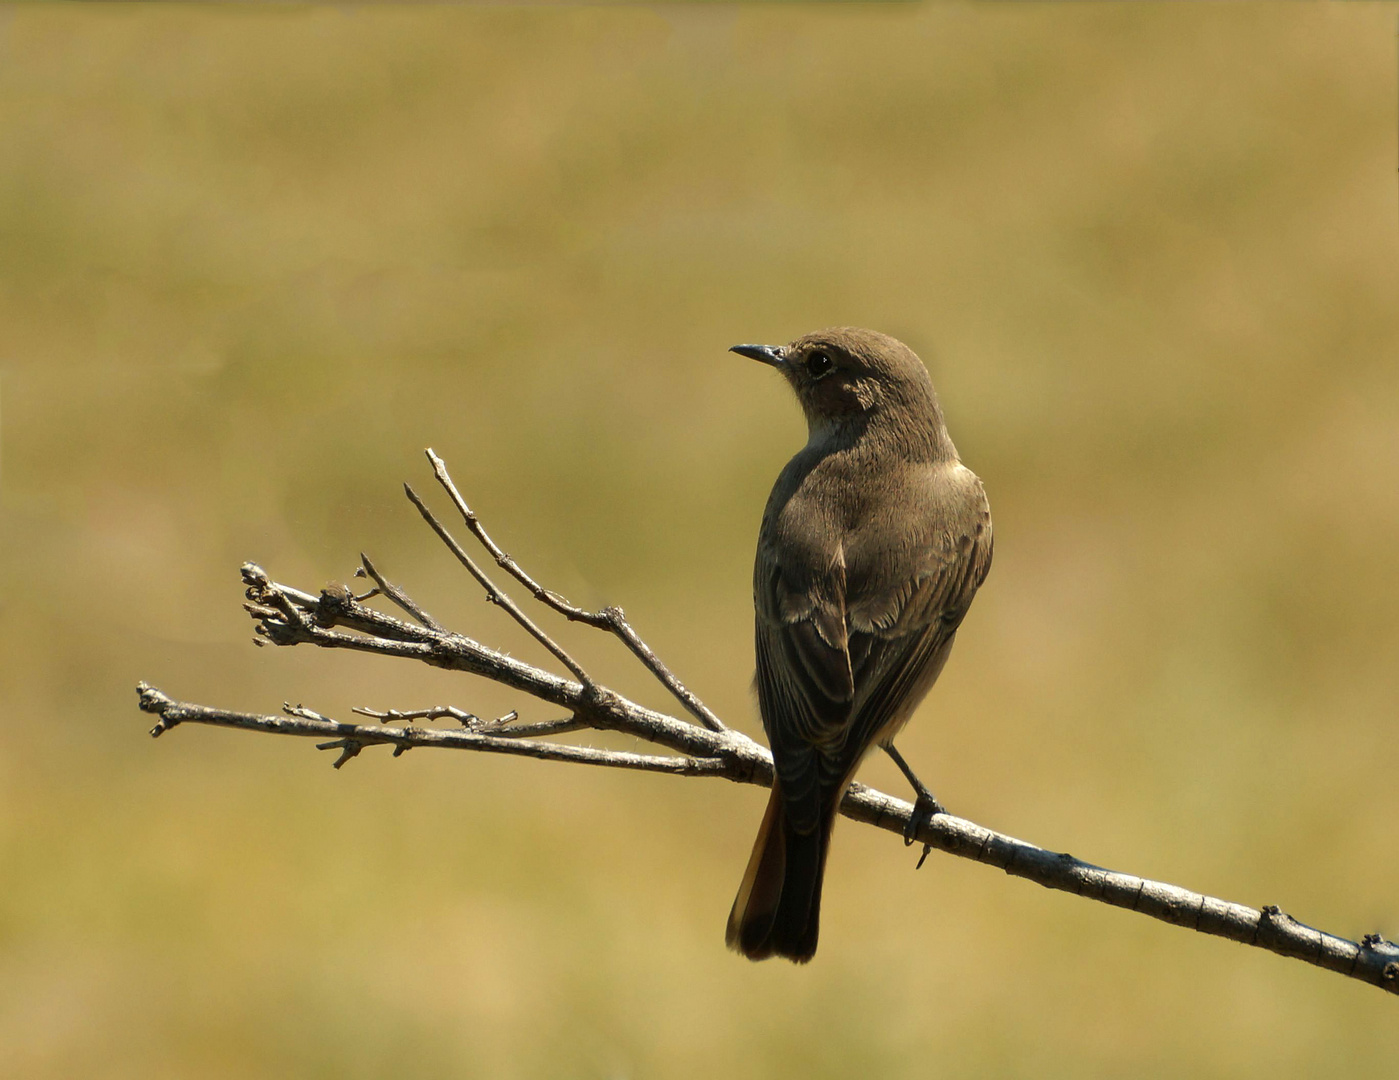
{"points": [[925, 807]]}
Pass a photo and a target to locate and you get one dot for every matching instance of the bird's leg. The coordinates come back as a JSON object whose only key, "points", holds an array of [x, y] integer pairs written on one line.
{"points": [[924, 807]]}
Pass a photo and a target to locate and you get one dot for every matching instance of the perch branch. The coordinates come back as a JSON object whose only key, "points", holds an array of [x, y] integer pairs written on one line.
{"points": [[1373, 960], [336, 618]]}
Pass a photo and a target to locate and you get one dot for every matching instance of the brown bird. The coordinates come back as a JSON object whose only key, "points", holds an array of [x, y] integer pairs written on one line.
{"points": [[874, 541]]}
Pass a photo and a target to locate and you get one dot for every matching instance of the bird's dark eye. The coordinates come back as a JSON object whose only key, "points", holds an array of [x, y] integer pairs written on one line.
{"points": [[819, 364]]}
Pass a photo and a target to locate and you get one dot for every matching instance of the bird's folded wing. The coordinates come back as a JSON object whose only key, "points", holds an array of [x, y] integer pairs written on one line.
{"points": [[889, 654], [831, 677], [805, 684]]}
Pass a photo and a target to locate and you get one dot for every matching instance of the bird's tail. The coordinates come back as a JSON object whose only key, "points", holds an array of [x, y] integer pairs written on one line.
{"points": [[778, 908]]}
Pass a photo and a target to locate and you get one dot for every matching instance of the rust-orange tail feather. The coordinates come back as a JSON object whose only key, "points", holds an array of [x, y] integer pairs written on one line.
{"points": [[778, 908]]}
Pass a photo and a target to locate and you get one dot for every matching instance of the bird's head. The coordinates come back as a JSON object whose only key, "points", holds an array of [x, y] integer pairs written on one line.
{"points": [[845, 377]]}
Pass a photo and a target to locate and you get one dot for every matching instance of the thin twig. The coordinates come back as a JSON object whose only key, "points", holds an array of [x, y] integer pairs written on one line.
{"points": [[494, 593], [394, 593], [436, 712], [503, 727], [611, 619]]}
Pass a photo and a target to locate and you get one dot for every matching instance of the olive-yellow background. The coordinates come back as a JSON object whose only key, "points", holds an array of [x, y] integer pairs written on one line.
{"points": [[253, 260]]}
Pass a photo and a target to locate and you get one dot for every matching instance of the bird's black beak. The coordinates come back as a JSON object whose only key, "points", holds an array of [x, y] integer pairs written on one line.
{"points": [[767, 354]]}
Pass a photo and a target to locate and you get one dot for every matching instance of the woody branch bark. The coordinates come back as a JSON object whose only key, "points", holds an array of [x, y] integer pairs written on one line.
{"points": [[337, 618]]}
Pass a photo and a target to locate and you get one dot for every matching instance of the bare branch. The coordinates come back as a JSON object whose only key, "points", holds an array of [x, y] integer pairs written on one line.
{"points": [[338, 619], [611, 619]]}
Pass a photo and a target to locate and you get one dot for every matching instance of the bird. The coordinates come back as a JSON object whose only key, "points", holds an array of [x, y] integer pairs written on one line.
{"points": [[873, 542]]}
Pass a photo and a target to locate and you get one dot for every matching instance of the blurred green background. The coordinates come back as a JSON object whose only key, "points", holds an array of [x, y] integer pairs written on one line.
{"points": [[253, 260]]}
